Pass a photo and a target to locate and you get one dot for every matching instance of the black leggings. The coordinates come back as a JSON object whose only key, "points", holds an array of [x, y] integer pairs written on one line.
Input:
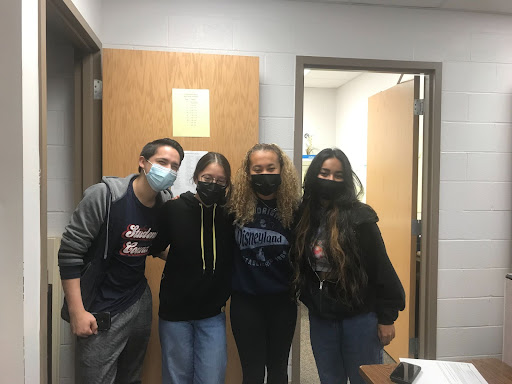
{"points": [[263, 327]]}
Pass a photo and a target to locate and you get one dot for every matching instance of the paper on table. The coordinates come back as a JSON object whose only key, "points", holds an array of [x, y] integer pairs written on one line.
{"points": [[446, 372]]}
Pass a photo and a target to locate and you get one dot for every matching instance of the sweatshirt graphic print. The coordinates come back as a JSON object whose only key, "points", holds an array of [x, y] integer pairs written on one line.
{"points": [[262, 264]]}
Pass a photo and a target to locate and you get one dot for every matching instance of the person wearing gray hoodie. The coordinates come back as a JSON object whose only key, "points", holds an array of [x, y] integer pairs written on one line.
{"points": [[102, 261]]}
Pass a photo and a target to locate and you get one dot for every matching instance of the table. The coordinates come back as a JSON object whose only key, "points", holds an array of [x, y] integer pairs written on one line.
{"points": [[493, 370]]}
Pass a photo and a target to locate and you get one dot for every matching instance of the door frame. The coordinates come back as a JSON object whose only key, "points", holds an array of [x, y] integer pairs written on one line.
{"points": [[430, 180], [87, 131]]}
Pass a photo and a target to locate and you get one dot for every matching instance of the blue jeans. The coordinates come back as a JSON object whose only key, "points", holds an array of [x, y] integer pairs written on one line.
{"points": [[194, 352], [341, 346]]}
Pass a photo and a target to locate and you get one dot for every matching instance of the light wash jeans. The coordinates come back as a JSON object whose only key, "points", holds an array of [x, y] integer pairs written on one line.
{"points": [[341, 346], [194, 352]]}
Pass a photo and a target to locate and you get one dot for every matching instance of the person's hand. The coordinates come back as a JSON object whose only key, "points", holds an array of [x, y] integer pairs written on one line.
{"points": [[83, 324], [386, 333]]}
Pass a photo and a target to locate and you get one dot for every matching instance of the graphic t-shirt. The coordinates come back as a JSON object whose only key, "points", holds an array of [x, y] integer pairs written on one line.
{"points": [[318, 256], [261, 261], [132, 230]]}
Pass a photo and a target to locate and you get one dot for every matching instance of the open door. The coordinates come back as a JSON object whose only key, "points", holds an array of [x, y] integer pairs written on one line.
{"points": [[137, 89], [392, 186]]}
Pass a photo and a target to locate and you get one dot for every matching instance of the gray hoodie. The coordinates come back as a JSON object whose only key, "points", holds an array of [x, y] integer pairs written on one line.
{"points": [[87, 220], [84, 245]]}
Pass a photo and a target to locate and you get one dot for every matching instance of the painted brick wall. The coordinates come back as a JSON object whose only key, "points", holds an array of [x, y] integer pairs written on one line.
{"points": [[60, 134], [60, 59], [476, 162]]}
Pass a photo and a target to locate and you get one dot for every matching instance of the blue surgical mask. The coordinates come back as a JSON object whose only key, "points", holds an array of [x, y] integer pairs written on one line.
{"points": [[160, 178]]}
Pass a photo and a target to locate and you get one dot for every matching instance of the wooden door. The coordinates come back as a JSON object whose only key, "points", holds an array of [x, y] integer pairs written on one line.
{"points": [[137, 87], [392, 184]]}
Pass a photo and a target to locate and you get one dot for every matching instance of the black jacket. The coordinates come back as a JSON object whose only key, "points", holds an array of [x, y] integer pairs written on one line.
{"points": [[196, 281], [384, 293]]}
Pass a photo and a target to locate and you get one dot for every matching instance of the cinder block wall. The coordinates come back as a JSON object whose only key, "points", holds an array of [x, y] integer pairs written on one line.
{"points": [[60, 126]]}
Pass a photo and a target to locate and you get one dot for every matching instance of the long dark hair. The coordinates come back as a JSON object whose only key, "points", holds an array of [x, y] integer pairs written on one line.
{"points": [[347, 271], [218, 158]]}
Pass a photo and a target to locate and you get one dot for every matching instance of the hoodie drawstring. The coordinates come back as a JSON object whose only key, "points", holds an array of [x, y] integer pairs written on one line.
{"points": [[214, 238]]}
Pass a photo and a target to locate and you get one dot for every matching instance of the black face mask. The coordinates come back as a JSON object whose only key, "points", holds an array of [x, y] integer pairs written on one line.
{"points": [[211, 193], [328, 189], [266, 184]]}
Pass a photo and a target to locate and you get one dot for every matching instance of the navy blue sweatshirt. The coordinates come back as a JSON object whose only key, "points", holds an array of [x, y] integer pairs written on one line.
{"points": [[132, 229], [262, 264]]}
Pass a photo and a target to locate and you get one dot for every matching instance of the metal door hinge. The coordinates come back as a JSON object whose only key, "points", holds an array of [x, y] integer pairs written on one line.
{"points": [[419, 107], [416, 227], [98, 89]]}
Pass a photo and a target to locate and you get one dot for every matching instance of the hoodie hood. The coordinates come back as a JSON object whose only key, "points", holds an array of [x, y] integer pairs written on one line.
{"points": [[119, 186], [363, 213], [190, 199]]}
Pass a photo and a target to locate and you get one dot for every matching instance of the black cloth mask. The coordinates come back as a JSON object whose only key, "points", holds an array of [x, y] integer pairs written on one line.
{"points": [[266, 184], [329, 189], [211, 193]]}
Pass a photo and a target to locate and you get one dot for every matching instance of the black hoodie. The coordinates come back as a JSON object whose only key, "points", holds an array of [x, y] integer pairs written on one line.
{"points": [[196, 281], [384, 293]]}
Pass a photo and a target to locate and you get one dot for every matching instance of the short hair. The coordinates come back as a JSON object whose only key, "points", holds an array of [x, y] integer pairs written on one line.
{"points": [[150, 148]]}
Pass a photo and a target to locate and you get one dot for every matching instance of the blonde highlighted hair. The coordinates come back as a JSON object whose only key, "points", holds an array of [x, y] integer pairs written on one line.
{"points": [[244, 200]]}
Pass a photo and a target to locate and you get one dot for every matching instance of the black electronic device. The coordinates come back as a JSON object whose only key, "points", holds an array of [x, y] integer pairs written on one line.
{"points": [[405, 373], [102, 320]]}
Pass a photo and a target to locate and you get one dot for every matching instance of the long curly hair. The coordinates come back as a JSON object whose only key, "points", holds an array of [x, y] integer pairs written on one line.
{"points": [[348, 273], [244, 200]]}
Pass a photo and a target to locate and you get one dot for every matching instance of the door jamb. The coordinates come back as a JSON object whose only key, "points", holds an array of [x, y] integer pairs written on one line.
{"points": [[430, 182], [88, 45]]}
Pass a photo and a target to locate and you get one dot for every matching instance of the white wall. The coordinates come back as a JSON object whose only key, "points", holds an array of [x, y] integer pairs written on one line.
{"points": [[19, 197], [11, 199], [320, 117], [352, 116], [31, 190], [476, 161], [91, 12]]}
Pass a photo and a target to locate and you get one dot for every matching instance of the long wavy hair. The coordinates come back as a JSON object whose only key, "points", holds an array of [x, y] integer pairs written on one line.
{"points": [[347, 272], [244, 200]]}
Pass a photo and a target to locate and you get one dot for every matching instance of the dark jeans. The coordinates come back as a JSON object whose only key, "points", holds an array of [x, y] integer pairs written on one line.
{"points": [[341, 346], [263, 327]]}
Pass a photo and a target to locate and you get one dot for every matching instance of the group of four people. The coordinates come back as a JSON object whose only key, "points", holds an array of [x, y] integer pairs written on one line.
{"points": [[257, 241]]}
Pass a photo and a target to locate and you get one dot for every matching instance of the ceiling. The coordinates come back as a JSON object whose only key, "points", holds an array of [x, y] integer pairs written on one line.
{"points": [[319, 78], [490, 6]]}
